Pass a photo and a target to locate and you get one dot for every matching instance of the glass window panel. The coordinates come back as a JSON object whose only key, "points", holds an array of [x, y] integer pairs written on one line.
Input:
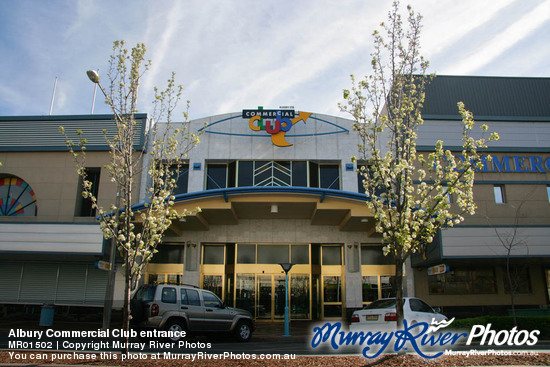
{"points": [[213, 283], [173, 279], [246, 254], [272, 254], [329, 176], [332, 255], [182, 178], [299, 296], [464, 281], [300, 254], [548, 192], [245, 177], [216, 176], [299, 173], [333, 311], [245, 292], [313, 174], [519, 277], [210, 300], [387, 285], [168, 295], [231, 174], [168, 254], [370, 288], [213, 254], [499, 194], [373, 255], [332, 289], [193, 297]]}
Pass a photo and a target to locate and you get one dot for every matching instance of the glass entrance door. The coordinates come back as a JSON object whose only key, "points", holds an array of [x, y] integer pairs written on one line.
{"points": [[271, 297]]}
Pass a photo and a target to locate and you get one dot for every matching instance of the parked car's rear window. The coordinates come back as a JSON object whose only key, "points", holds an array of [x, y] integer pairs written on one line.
{"points": [[382, 303], [145, 293]]}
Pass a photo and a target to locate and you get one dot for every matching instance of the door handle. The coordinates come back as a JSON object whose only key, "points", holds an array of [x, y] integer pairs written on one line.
{"points": [[184, 307], [209, 310]]}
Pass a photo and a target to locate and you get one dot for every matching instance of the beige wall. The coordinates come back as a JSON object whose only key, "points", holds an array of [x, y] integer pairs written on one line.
{"points": [[53, 177]]}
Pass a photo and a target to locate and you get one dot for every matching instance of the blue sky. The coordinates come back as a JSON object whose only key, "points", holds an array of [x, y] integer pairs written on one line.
{"points": [[233, 55]]}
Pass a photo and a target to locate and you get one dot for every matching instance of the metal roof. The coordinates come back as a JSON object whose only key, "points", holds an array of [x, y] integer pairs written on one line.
{"points": [[497, 98]]}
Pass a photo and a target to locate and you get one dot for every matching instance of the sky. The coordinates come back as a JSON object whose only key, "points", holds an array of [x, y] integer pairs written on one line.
{"points": [[232, 55]]}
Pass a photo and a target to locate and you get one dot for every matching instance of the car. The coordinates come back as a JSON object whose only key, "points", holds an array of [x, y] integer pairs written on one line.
{"points": [[187, 308], [381, 314]]}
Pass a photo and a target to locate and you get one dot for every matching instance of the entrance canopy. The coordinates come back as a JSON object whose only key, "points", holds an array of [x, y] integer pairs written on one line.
{"points": [[347, 210]]}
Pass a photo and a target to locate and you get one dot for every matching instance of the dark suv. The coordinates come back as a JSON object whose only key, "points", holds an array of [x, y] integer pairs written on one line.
{"points": [[188, 308]]}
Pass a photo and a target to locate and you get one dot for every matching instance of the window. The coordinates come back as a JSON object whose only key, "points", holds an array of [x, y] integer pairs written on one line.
{"points": [[499, 194], [370, 288], [329, 176], [519, 277], [168, 254], [181, 175], [548, 192], [448, 195], [190, 297], [84, 205], [464, 281], [213, 254], [332, 255], [168, 295], [17, 198], [210, 300], [418, 305], [373, 255], [246, 254], [216, 176]]}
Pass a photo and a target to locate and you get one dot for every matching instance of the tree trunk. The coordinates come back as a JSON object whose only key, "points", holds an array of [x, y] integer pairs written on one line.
{"points": [[399, 290]]}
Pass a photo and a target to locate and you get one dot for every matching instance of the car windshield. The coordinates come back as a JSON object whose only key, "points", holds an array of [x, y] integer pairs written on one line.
{"points": [[145, 293], [382, 303]]}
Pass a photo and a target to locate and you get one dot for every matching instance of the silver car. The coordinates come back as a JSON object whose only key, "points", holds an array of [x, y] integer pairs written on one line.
{"points": [[188, 308]]}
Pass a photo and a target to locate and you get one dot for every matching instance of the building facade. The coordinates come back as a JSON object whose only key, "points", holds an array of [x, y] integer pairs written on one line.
{"points": [[510, 232], [279, 186], [50, 239], [275, 186]]}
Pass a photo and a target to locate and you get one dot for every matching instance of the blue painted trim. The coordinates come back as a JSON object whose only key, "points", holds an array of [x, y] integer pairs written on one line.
{"points": [[226, 192]]}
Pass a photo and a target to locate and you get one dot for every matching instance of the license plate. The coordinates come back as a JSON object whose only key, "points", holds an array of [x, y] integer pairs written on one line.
{"points": [[371, 317]]}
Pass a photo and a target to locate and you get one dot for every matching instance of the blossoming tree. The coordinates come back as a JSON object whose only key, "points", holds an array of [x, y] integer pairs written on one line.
{"points": [[407, 191]]}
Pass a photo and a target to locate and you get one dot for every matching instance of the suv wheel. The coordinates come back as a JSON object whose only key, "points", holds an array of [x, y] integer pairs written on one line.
{"points": [[175, 325], [243, 331]]}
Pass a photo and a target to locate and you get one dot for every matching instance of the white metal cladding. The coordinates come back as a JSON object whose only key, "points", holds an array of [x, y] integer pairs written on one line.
{"points": [[483, 242], [36, 134], [51, 238], [68, 284]]}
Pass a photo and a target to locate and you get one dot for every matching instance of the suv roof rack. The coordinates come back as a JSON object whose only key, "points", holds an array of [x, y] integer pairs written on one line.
{"points": [[174, 284]]}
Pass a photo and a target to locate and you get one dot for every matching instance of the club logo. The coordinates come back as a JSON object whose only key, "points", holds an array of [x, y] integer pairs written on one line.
{"points": [[274, 122]]}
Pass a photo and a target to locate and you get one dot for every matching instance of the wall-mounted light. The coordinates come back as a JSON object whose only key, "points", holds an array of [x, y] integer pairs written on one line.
{"points": [[274, 209], [365, 220]]}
